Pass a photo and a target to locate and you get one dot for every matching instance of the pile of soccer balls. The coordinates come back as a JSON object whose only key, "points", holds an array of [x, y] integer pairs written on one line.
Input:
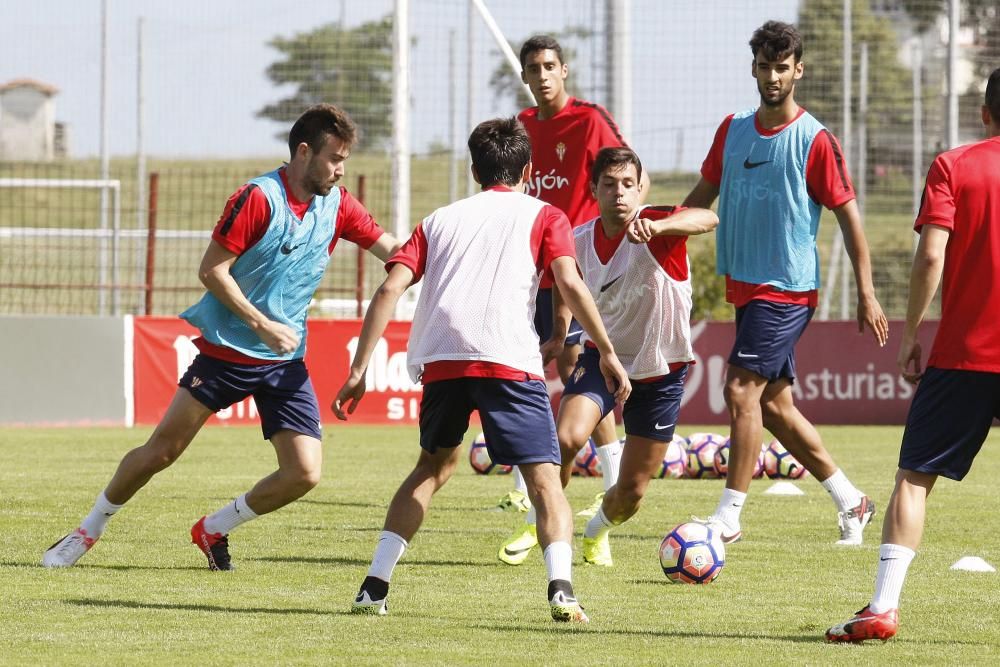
{"points": [[706, 456]]}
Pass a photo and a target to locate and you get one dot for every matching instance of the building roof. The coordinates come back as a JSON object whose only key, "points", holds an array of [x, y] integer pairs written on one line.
{"points": [[31, 83]]}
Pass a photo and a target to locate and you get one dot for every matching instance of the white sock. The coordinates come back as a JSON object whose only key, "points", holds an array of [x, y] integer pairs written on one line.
{"points": [[610, 456], [228, 517], [95, 522], [893, 561], [599, 525], [389, 550], [729, 508], [519, 484], [531, 517], [559, 561], [845, 495]]}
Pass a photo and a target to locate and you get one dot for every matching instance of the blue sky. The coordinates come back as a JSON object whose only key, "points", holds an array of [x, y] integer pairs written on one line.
{"points": [[205, 64]]}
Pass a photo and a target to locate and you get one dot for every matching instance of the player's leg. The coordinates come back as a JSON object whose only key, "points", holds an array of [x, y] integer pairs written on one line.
{"points": [[650, 415], [184, 417], [948, 421], [781, 417], [445, 408], [289, 416]]}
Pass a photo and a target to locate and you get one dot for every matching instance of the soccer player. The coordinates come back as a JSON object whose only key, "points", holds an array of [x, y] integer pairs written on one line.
{"points": [[267, 256], [773, 168], [473, 347], [634, 261], [566, 134], [958, 396]]}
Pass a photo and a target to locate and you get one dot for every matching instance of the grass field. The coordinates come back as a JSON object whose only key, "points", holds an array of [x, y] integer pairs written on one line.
{"points": [[144, 596]]}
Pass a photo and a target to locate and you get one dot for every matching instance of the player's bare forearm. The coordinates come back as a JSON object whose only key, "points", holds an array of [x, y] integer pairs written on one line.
{"points": [[925, 276], [576, 295], [385, 247], [380, 311], [869, 309], [561, 315], [689, 222], [703, 195]]}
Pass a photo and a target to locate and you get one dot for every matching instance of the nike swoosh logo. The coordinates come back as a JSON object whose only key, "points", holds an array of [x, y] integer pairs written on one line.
{"points": [[747, 164], [660, 428], [893, 558], [287, 249], [747, 356], [606, 286], [509, 552]]}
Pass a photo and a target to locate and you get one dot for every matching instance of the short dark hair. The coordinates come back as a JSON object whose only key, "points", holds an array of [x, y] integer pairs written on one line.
{"points": [[540, 43], [317, 123], [992, 99], [777, 41], [617, 157], [500, 149]]}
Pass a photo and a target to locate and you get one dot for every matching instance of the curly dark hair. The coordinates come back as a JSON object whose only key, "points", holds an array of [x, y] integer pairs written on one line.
{"points": [[777, 41]]}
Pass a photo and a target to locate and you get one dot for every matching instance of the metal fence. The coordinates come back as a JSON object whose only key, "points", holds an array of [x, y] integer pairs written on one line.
{"points": [[204, 95]]}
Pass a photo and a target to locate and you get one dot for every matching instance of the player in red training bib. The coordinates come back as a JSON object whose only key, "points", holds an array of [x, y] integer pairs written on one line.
{"points": [[958, 396], [566, 134]]}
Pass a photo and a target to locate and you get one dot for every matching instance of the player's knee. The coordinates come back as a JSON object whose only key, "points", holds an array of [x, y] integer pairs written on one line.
{"points": [[739, 398], [771, 414], [160, 452], [572, 437]]}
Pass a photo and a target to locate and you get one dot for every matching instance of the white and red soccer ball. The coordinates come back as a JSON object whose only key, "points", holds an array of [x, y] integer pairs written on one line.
{"points": [[692, 553], [701, 454], [586, 463], [479, 459], [779, 463], [722, 460], [674, 464]]}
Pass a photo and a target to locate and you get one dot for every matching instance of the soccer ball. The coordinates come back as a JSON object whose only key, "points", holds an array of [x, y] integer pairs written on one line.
{"points": [[722, 460], [479, 459], [586, 463], [692, 553], [701, 454], [674, 463], [778, 462]]}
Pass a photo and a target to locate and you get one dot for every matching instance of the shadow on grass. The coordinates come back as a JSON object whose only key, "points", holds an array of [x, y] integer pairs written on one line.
{"points": [[340, 560], [134, 604], [88, 566]]}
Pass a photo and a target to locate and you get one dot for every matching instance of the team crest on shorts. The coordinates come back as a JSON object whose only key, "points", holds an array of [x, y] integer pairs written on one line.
{"points": [[560, 150], [578, 373]]}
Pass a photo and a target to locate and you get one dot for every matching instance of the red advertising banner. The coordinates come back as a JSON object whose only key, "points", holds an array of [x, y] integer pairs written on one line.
{"points": [[843, 377]]}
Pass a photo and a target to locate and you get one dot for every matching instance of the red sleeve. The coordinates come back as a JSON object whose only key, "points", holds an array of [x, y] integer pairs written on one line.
{"points": [[606, 132], [355, 223], [711, 168], [413, 254], [937, 204], [670, 251], [244, 220], [551, 237], [827, 178]]}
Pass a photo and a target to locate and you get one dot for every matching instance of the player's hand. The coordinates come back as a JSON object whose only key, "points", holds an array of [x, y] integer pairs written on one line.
{"points": [[552, 348], [349, 395], [639, 230], [280, 338], [870, 313], [908, 360], [615, 377]]}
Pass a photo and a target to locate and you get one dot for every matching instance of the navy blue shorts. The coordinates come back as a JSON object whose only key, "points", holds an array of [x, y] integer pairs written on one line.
{"points": [[543, 319], [766, 334], [949, 419], [651, 409], [283, 392], [516, 416]]}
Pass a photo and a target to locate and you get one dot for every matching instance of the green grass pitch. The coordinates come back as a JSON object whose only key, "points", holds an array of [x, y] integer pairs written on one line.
{"points": [[144, 596]]}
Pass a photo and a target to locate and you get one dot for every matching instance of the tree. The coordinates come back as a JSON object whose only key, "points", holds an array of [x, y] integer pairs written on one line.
{"points": [[506, 83], [349, 67]]}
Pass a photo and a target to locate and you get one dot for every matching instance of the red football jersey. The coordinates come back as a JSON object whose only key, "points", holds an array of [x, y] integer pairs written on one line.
{"points": [[962, 194]]}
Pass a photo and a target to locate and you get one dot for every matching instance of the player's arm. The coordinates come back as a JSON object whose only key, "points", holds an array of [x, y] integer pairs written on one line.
{"points": [[561, 317], [380, 311], [385, 247], [215, 275], [869, 310], [703, 194], [925, 275], [577, 297], [688, 222]]}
